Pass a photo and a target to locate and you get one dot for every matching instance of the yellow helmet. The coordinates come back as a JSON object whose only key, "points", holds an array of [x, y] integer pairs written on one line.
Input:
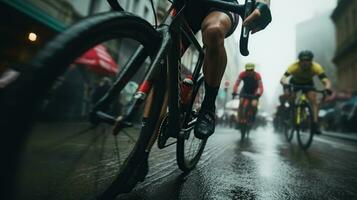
{"points": [[249, 66]]}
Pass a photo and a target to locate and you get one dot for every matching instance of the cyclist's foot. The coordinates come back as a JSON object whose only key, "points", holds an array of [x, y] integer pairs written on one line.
{"points": [[316, 129], [205, 125]]}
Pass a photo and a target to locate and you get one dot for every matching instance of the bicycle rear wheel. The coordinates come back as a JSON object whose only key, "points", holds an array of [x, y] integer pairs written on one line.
{"points": [[81, 160], [304, 132], [189, 148]]}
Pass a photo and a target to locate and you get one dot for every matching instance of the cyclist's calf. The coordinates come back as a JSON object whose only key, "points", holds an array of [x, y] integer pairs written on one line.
{"points": [[311, 96]]}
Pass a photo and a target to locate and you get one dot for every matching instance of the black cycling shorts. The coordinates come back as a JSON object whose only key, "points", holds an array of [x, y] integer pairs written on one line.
{"points": [[304, 90], [197, 11]]}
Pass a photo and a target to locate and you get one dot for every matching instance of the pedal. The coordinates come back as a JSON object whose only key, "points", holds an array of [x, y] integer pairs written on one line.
{"points": [[119, 124], [97, 117]]}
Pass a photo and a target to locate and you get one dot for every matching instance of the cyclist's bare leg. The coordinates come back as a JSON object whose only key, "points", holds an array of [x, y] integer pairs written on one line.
{"points": [[311, 96], [254, 104], [214, 29], [240, 109]]}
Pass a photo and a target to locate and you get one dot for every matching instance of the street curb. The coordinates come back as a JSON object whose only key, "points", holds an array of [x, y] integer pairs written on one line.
{"points": [[340, 137]]}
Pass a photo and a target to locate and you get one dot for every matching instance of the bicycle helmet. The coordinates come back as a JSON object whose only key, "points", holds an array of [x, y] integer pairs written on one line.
{"points": [[306, 55], [249, 66]]}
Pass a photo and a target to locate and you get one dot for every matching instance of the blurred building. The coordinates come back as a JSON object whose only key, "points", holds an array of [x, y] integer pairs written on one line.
{"points": [[142, 7], [345, 18], [318, 35], [46, 18], [234, 66]]}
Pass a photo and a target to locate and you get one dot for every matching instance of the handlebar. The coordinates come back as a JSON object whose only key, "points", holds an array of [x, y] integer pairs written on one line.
{"points": [[302, 87], [114, 4], [244, 35], [308, 87], [247, 96], [244, 11]]}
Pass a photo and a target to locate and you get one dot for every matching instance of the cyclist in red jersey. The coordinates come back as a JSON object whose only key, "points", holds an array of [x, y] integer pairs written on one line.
{"points": [[252, 88]]}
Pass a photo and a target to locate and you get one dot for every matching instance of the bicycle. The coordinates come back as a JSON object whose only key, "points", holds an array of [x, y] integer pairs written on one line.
{"points": [[246, 120], [155, 108], [299, 117]]}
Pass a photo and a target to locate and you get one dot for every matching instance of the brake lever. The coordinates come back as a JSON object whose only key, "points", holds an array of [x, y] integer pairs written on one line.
{"points": [[114, 4], [249, 7]]}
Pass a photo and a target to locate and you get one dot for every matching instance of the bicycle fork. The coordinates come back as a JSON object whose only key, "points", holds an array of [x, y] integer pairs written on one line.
{"points": [[98, 115]]}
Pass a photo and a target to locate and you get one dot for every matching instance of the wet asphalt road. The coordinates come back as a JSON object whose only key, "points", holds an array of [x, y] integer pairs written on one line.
{"points": [[262, 167], [66, 161]]}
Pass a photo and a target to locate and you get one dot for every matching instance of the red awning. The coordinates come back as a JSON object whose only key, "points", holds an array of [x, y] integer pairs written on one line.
{"points": [[99, 60]]}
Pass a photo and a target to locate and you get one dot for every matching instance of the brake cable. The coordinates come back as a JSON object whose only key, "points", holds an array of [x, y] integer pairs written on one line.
{"points": [[154, 11]]}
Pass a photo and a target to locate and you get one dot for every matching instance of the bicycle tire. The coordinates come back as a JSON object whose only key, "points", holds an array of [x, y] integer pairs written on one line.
{"points": [[131, 174], [248, 130], [243, 131], [288, 125], [187, 164], [305, 144], [243, 125], [32, 86]]}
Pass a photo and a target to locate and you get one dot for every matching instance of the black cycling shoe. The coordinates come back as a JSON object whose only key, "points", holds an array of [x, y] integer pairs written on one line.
{"points": [[205, 124]]}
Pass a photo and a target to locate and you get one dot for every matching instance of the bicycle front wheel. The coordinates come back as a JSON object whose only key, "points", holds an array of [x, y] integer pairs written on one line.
{"points": [[244, 124], [243, 130], [189, 148], [304, 132], [288, 125], [55, 97]]}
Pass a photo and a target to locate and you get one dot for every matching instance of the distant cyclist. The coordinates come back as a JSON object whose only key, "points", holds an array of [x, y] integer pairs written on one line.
{"points": [[302, 73], [252, 88], [281, 114]]}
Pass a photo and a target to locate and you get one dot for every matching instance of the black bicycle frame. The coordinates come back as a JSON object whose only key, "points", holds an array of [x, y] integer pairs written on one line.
{"points": [[170, 33]]}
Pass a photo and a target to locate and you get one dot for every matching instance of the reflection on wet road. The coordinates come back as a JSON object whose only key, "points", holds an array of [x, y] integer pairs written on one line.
{"points": [[264, 166]]}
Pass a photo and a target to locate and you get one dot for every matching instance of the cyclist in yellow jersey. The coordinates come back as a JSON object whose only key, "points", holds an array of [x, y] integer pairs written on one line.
{"points": [[302, 73]]}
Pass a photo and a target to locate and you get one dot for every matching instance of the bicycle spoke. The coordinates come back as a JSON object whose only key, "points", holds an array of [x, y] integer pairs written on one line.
{"points": [[189, 147], [63, 141]]}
